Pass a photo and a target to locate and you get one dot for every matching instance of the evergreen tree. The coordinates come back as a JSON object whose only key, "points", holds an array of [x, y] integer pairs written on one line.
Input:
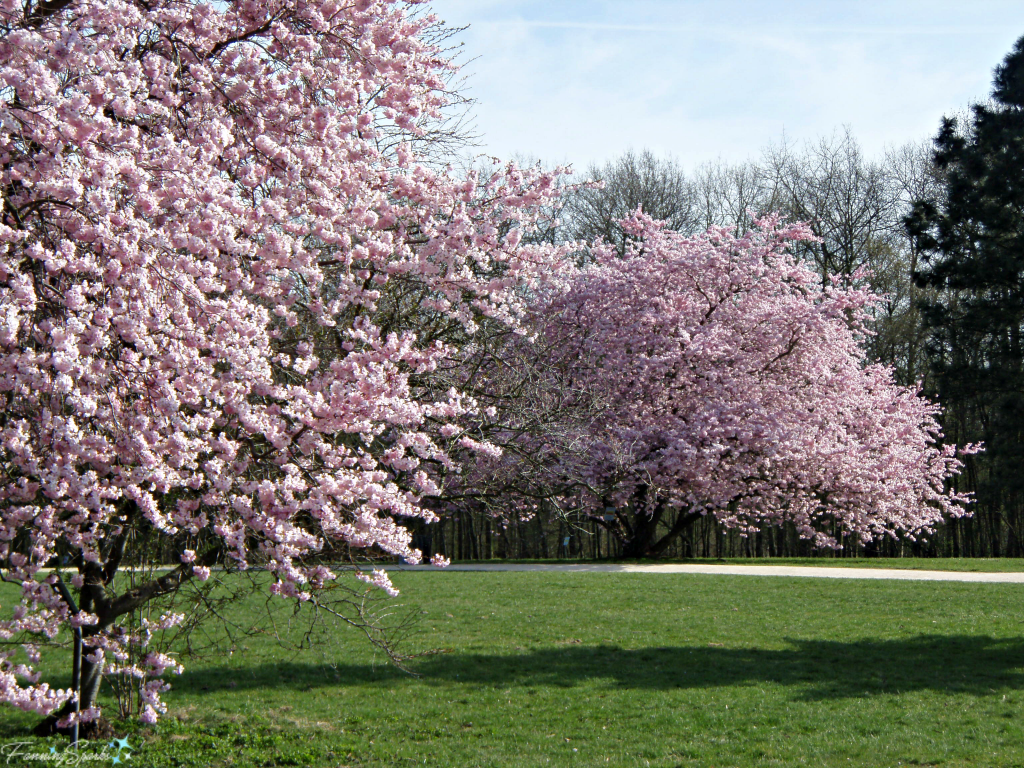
{"points": [[972, 240]]}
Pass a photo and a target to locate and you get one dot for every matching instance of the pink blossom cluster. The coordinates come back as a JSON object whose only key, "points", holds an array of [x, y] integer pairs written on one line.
{"points": [[222, 291], [724, 379]]}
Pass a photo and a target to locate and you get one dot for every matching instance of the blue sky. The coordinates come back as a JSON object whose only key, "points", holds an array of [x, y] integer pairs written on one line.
{"points": [[581, 81]]}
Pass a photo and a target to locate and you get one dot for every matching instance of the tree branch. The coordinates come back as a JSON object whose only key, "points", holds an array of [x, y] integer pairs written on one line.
{"points": [[45, 10]]}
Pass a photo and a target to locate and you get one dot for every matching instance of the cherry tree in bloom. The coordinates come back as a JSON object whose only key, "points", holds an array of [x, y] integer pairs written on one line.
{"points": [[225, 282], [714, 375]]}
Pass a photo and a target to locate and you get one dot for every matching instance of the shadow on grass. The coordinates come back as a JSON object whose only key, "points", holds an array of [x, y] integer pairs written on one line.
{"points": [[16, 725], [820, 669]]}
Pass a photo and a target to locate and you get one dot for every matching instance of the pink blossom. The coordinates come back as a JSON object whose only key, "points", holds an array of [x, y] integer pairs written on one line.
{"points": [[378, 579]]}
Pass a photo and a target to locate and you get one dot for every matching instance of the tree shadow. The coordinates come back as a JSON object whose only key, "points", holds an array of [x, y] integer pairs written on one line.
{"points": [[819, 669], [16, 725]]}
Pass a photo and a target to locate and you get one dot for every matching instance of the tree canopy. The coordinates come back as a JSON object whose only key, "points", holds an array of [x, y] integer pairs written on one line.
{"points": [[715, 375]]}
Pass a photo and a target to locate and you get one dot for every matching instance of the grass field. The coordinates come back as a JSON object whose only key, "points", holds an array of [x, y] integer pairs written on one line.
{"points": [[625, 670]]}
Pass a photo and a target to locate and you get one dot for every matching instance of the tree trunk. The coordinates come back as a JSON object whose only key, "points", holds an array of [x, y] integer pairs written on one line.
{"points": [[644, 542], [108, 609], [91, 679]]}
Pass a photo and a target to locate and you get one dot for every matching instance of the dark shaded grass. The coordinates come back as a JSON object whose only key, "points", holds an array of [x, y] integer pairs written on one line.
{"points": [[821, 669]]}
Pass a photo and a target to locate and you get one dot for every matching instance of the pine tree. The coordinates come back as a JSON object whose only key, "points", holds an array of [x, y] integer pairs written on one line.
{"points": [[972, 240]]}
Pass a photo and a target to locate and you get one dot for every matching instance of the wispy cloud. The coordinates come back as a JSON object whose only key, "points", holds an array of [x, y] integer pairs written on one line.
{"points": [[582, 80], [738, 30]]}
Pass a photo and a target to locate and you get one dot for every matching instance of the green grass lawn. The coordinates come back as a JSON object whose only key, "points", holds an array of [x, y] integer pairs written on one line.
{"points": [[583, 669]]}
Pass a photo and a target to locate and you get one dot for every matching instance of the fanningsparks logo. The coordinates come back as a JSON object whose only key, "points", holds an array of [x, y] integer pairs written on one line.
{"points": [[117, 752]]}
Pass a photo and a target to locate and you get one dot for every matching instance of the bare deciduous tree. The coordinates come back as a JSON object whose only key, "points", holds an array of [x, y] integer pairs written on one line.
{"points": [[656, 186]]}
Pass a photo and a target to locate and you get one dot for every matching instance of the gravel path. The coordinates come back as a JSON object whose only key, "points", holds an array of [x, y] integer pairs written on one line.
{"points": [[740, 570]]}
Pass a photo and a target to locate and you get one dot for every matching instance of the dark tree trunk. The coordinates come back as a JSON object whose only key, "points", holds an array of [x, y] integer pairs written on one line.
{"points": [[642, 541], [91, 679], [645, 528]]}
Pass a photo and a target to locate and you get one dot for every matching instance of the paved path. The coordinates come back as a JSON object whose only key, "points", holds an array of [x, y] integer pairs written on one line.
{"points": [[837, 572]]}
